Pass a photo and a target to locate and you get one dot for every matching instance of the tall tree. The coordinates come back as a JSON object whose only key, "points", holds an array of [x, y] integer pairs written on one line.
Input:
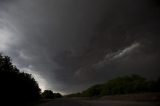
{"points": [[16, 87]]}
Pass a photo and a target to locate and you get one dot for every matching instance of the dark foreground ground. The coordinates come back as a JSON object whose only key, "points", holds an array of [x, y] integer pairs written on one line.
{"points": [[73, 102]]}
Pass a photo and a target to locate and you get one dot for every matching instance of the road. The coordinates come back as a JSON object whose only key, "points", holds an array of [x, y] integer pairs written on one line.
{"points": [[71, 102], [64, 102]]}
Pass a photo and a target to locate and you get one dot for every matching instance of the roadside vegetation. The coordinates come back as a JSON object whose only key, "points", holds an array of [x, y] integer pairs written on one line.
{"points": [[121, 85]]}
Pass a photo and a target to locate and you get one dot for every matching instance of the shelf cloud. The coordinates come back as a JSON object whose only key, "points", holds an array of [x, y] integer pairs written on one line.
{"points": [[69, 45]]}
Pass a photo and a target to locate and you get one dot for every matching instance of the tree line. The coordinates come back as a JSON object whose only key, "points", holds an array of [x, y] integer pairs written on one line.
{"points": [[48, 94], [121, 85], [16, 87]]}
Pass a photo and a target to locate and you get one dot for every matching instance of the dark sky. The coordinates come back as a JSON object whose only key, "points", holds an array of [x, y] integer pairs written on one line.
{"points": [[69, 45]]}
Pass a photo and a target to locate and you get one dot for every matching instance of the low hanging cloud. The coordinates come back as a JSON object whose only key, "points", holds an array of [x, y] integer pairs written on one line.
{"points": [[126, 51], [119, 54], [69, 45]]}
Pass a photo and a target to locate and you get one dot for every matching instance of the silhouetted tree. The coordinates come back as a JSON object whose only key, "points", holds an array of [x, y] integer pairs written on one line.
{"points": [[48, 94], [16, 87], [57, 95]]}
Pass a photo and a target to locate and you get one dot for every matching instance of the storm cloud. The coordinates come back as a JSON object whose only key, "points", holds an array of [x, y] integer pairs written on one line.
{"points": [[69, 45]]}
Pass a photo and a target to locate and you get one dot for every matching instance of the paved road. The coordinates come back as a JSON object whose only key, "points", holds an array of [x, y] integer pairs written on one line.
{"points": [[64, 102], [71, 102]]}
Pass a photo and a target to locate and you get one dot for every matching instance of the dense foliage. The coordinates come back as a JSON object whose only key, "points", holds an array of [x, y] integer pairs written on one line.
{"points": [[57, 95], [16, 87], [121, 85], [48, 94]]}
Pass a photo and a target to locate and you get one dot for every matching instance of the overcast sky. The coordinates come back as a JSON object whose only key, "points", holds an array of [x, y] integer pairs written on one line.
{"points": [[69, 45]]}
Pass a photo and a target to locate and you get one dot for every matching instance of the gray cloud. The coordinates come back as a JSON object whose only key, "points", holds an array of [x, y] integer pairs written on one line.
{"points": [[64, 43]]}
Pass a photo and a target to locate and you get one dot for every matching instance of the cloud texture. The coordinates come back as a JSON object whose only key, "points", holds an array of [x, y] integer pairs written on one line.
{"points": [[69, 45]]}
